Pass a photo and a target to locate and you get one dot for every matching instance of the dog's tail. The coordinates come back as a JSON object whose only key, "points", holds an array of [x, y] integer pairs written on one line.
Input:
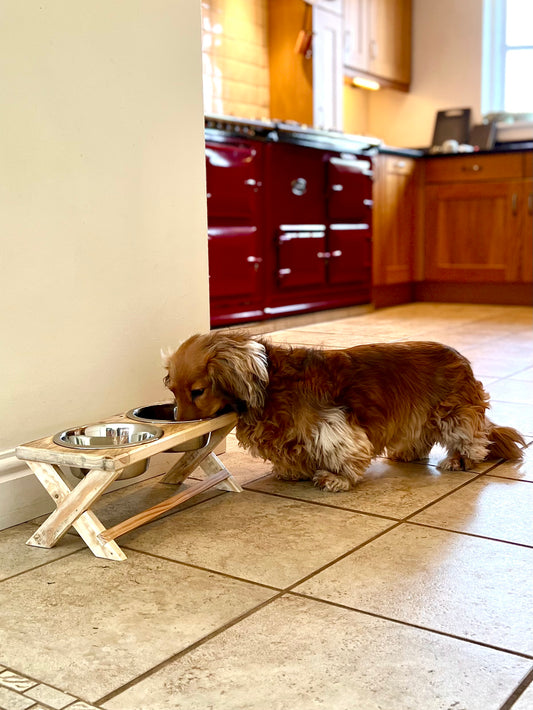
{"points": [[504, 442]]}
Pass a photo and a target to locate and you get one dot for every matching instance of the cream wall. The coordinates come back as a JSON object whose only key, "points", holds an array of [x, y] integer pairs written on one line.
{"points": [[446, 73], [102, 212]]}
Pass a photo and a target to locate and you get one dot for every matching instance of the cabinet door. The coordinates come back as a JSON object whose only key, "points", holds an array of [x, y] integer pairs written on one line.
{"points": [[327, 69], [356, 38], [527, 232], [302, 257], [232, 172], [390, 40], [296, 184], [349, 190], [394, 220], [472, 232], [349, 251], [233, 261]]}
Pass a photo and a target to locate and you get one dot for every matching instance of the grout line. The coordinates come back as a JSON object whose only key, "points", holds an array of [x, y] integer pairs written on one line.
{"points": [[447, 634], [518, 691], [188, 649], [44, 564], [469, 534], [324, 505], [210, 570]]}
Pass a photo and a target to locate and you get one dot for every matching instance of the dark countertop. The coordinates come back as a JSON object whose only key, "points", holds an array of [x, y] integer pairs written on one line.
{"points": [[514, 147]]}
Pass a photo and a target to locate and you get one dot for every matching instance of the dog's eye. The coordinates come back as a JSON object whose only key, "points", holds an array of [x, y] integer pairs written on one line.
{"points": [[196, 393]]}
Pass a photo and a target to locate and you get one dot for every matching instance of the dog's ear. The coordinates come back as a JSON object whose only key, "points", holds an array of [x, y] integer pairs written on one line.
{"points": [[238, 366]]}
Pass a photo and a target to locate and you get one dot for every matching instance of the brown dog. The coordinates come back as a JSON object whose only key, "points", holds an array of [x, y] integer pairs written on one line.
{"points": [[324, 414]]}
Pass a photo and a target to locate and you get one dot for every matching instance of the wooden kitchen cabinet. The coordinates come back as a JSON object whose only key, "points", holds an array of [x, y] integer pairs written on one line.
{"points": [[478, 224], [394, 220], [377, 41], [306, 88]]}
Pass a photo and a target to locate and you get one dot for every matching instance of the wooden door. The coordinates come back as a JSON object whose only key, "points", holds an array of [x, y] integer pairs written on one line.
{"points": [[355, 44], [394, 220], [472, 232], [526, 274], [390, 40]]}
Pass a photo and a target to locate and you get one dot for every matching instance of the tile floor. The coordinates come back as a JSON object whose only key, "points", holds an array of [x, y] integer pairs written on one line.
{"points": [[412, 592]]}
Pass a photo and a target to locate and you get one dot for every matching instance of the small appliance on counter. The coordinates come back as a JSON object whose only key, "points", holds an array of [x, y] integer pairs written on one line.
{"points": [[452, 132]]}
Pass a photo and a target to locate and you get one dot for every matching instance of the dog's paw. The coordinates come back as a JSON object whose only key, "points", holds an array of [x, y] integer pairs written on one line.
{"points": [[331, 481], [455, 463], [289, 475]]}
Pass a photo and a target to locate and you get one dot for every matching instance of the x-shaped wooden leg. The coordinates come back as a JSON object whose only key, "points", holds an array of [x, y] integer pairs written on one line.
{"points": [[73, 510], [201, 457]]}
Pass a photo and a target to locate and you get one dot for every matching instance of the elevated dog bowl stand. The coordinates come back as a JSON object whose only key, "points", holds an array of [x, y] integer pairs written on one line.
{"points": [[44, 458]]}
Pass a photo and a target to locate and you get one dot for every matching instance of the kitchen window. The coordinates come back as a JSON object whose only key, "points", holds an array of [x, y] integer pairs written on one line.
{"points": [[508, 57]]}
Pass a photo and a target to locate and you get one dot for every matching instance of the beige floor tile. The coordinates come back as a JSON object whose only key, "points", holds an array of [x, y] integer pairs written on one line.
{"points": [[525, 701], [512, 390], [494, 366], [88, 625], [243, 467], [17, 557], [514, 414], [492, 507], [301, 654], [521, 470], [470, 587], [392, 489], [524, 375], [257, 537]]}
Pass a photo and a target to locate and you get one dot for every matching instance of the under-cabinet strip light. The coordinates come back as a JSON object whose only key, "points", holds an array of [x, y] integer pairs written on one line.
{"points": [[365, 83]]}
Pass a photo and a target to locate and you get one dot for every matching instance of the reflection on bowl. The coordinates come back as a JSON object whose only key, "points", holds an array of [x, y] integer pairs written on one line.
{"points": [[108, 435], [166, 414], [134, 469]]}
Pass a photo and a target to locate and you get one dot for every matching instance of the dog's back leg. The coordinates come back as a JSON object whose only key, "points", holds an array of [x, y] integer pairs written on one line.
{"points": [[464, 434]]}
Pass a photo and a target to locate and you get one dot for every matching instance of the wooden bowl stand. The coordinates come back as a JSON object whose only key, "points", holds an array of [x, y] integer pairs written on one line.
{"points": [[44, 457]]}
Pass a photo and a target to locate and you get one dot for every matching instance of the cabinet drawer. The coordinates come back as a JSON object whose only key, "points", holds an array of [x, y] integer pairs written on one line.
{"points": [[400, 166], [474, 168]]}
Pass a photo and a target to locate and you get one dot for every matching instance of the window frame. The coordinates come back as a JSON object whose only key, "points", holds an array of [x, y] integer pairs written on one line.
{"points": [[494, 50]]}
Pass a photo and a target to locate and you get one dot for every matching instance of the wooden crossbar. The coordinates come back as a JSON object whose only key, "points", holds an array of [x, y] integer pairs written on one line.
{"points": [[155, 511]]}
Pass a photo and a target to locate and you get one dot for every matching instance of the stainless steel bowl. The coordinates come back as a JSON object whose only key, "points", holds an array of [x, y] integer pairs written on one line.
{"points": [[166, 414], [131, 471], [108, 435]]}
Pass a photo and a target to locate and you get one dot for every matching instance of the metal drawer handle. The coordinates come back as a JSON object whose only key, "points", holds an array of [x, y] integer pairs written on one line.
{"points": [[337, 252], [284, 272], [323, 254], [337, 188], [254, 260], [368, 203]]}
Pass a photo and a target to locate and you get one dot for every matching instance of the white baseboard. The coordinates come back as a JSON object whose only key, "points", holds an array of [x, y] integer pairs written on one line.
{"points": [[22, 497]]}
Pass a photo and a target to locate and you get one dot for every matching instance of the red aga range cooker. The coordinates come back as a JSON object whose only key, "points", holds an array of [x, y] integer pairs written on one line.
{"points": [[289, 219]]}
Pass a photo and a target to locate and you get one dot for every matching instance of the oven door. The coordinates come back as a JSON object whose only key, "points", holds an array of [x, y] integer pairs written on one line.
{"points": [[234, 261], [349, 247], [301, 255], [232, 173], [349, 189]]}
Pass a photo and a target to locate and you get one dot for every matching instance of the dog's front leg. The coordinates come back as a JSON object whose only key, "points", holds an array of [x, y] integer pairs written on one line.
{"points": [[342, 452]]}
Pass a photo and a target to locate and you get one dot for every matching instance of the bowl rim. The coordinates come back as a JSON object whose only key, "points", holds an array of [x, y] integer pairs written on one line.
{"points": [[59, 438], [131, 414]]}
